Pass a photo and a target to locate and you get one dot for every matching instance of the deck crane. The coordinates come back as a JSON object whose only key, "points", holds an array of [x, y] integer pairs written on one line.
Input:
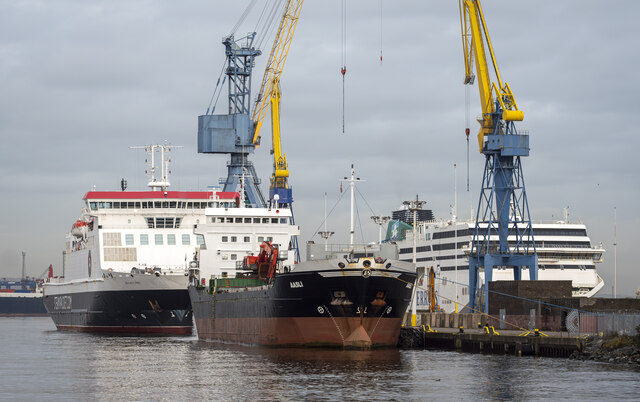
{"points": [[236, 133], [503, 208]]}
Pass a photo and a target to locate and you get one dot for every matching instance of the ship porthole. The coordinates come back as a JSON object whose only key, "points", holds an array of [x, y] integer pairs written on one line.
{"points": [[388, 265], [366, 273], [366, 263], [341, 264], [320, 309]]}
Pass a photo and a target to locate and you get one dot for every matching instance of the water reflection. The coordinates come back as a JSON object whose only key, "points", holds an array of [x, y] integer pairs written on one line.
{"points": [[47, 364]]}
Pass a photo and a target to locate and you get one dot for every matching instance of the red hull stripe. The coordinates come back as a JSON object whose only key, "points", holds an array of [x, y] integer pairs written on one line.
{"points": [[299, 331], [183, 195], [128, 330]]}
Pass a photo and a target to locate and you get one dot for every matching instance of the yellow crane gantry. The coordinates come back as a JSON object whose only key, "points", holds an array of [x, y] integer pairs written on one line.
{"points": [[474, 34], [269, 95]]}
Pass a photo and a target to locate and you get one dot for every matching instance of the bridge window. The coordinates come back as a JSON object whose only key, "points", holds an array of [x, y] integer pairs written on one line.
{"points": [[186, 240]]}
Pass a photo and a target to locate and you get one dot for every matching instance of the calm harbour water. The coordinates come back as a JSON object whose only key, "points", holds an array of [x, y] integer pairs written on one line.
{"points": [[40, 363]]}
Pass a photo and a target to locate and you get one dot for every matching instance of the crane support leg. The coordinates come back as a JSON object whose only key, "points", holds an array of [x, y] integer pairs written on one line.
{"points": [[503, 236]]}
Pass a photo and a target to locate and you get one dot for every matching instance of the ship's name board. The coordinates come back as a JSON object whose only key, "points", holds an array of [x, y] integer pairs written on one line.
{"points": [[62, 302], [296, 284]]}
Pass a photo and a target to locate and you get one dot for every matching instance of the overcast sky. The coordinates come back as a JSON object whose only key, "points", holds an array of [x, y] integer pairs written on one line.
{"points": [[81, 81]]}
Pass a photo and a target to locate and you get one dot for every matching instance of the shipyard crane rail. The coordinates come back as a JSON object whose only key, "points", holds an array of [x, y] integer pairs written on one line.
{"points": [[503, 208]]}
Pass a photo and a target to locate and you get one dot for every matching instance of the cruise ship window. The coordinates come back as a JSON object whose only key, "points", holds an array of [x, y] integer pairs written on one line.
{"points": [[234, 256], [158, 240], [269, 238], [220, 219], [234, 239], [144, 240], [116, 205], [100, 205], [274, 220], [265, 220], [93, 205], [260, 239], [238, 220], [128, 239], [225, 239], [256, 220], [172, 204], [130, 205], [247, 239], [247, 220], [229, 220], [157, 204], [189, 205], [137, 204], [171, 239], [186, 240], [165, 204], [283, 220], [199, 240]]}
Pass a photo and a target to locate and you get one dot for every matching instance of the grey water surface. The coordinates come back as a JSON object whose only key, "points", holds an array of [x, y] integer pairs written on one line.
{"points": [[41, 363]]}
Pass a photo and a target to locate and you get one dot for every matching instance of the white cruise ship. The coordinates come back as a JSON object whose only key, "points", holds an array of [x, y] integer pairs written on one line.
{"points": [[127, 259], [565, 252]]}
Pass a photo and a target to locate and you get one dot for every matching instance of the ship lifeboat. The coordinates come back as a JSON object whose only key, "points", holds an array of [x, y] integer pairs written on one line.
{"points": [[79, 228]]}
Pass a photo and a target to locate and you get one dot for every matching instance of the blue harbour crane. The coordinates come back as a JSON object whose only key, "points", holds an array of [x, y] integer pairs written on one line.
{"points": [[503, 209]]}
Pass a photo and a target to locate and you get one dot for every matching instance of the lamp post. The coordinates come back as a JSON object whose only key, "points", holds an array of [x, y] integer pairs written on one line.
{"points": [[415, 206], [380, 221], [325, 234]]}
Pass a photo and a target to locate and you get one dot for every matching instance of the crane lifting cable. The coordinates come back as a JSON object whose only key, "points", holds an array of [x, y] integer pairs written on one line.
{"points": [[380, 32], [243, 16], [343, 54]]}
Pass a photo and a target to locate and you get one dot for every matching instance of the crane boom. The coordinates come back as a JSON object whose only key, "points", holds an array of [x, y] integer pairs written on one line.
{"points": [[474, 33], [275, 64]]}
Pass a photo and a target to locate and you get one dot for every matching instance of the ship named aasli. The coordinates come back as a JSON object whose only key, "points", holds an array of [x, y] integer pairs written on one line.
{"points": [[249, 288]]}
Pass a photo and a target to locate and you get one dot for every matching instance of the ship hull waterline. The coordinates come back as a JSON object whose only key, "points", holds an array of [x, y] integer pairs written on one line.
{"points": [[152, 312], [340, 309]]}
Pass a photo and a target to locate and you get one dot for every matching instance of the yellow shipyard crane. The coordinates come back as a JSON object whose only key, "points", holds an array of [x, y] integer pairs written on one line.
{"points": [[269, 96], [474, 33], [503, 208]]}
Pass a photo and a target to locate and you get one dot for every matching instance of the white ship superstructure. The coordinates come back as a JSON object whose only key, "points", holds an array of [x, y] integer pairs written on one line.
{"points": [[564, 252], [127, 258], [232, 233]]}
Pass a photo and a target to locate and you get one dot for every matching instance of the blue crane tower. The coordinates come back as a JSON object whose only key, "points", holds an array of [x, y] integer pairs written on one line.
{"points": [[503, 209], [233, 133]]}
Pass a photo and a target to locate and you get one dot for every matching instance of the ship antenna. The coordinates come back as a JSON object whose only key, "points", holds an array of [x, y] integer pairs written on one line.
{"points": [[164, 149], [352, 182]]}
